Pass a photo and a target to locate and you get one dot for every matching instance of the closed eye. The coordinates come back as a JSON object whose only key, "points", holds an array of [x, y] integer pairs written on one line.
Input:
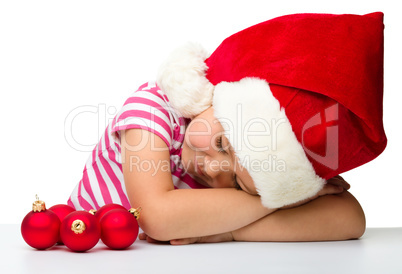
{"points": [[219, 145]]}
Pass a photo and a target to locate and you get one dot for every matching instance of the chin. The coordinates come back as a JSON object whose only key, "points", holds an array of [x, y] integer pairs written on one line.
{"points": [[202, 182]]}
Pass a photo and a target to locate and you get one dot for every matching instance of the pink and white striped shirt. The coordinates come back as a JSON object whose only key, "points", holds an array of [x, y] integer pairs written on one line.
{"points": [[102, 182]]}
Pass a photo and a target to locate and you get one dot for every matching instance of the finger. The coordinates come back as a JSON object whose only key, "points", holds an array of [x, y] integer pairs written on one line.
{"points": [[339, 181], [330, 189], [183, 241], [177, 242], [151, 240], [343, 184], [339, 177], [142, 236]]}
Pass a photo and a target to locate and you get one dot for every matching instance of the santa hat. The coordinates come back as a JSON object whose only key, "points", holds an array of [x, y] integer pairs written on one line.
{"points": [[299, 98]]}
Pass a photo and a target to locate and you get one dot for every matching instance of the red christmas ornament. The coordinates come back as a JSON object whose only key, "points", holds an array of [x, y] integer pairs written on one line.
{"points": [[80, 231], [61, 211], [106, 208], [40, 227], [119, 229]]}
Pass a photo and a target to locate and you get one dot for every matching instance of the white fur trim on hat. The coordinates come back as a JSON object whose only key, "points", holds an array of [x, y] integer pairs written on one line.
{"points": [[264, 142], [182, 78]]}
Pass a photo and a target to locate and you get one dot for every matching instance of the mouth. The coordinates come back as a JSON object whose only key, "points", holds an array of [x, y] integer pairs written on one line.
{"points": [[198, 169]]}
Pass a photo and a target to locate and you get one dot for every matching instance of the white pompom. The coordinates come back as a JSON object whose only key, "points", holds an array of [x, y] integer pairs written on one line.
{"points": [[182, 78]]}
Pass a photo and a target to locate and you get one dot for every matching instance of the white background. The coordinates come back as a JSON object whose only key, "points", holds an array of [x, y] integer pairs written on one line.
{"points": [[61, 58]]}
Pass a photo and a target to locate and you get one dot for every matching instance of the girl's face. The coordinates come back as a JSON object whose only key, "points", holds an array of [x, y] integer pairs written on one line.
{"points": [[209, 157]]}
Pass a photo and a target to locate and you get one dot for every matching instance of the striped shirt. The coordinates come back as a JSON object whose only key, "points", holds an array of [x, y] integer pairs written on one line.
{"points": [[102, 182]]}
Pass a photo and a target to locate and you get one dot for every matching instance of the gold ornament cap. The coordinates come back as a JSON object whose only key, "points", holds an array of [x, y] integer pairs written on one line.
{"points": [[78, 226], [38, 205], [135, 212]]}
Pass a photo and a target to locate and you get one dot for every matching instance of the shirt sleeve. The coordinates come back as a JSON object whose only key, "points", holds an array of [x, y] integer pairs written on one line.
{"points": [[145, 109]]}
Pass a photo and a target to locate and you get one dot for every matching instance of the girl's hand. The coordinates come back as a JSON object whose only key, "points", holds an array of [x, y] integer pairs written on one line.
{"points": [[335, 185], [338, 181], [223, 237], [219, 238], [143, 236]]}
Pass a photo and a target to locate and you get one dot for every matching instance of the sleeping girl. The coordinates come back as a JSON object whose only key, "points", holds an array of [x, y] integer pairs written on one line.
{"points": [[247, 144]]}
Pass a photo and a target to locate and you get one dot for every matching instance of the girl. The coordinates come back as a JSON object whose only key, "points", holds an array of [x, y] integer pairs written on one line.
{"points": [[136, 164], [179, 147]]}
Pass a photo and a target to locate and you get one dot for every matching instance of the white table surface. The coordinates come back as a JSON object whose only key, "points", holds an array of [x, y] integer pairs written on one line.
{"points": [[378, 251]]}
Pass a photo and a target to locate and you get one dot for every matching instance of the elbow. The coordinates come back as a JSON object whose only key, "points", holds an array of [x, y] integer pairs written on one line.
{"points": [[354, 221], [358, 224], [154, 223], [155, 230]]}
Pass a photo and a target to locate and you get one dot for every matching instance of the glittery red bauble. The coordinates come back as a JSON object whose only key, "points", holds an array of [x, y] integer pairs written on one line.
{"points": [[119, 229], [40, 229], [61, 211], [80, 231], [106, 208]]}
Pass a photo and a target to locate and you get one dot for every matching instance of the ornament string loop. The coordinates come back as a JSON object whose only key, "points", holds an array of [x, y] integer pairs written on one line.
{"points": [[38, 205]]}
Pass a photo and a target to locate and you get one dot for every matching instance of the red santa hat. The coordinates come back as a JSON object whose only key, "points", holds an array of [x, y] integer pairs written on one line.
{"points": [[299, 97]]}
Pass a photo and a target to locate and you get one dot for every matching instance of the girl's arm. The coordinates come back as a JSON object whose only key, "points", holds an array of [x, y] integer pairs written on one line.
{"points": [[183, 213], [327, 218], [330, 217]]}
